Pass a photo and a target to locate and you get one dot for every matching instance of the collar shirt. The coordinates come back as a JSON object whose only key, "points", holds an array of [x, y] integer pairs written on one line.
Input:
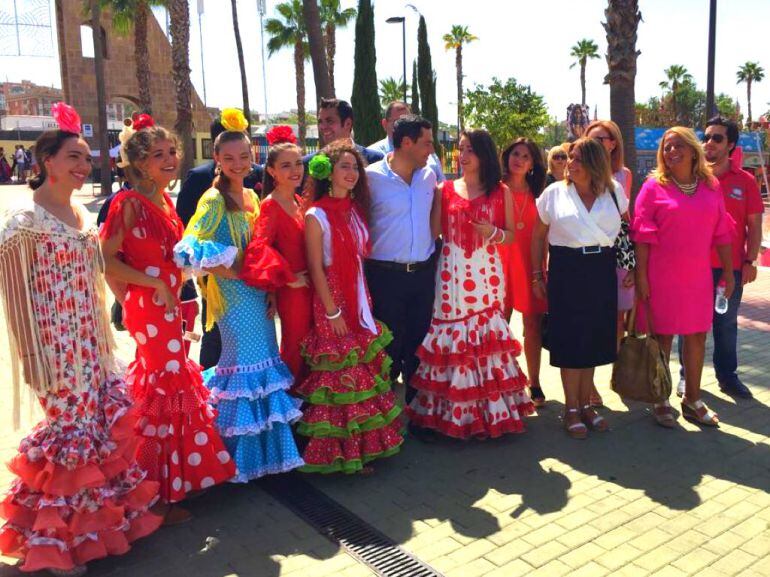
{"points": [[399, 221], [386, 145]]}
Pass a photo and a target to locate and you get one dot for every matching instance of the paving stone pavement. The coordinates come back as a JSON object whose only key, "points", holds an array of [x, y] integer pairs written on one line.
{"points": [[638, 500]]}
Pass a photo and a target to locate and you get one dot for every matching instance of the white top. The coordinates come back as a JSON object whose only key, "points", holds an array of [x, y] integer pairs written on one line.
{"points": [[571, 224], [365, 316], [20, 157]]}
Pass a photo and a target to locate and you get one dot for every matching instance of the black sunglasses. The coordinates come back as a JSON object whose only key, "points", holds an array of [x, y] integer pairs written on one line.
{"points": [[559, 157], [718, 138]]}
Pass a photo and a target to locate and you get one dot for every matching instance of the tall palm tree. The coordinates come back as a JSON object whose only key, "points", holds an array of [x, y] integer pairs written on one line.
{"points": [[623, 18], [101, 96], [289, 32], [676, 77], [390, 90], [315, 39], [455, 40], [583, 51], [332, 17], [749, 73], [241, 63], [179, 16]]}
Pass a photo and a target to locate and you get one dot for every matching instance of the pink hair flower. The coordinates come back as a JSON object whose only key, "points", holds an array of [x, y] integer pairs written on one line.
{"points": [[66, 117]]}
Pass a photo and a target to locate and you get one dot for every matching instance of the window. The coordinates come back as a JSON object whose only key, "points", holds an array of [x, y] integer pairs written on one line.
{"points": [[87, 42], [206, 149]]}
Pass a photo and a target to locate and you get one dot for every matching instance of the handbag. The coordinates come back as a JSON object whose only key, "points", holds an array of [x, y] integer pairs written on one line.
{"points": [[624, 246], [641, 371]]}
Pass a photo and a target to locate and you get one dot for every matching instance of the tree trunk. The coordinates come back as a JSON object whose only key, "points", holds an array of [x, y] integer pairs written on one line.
{"points": [[459, 66], [583, 81], [331, 51], [179, 13], [748, 101], [323, 87], [241, 63], [299, 68], [142, 57], [101, 100]]}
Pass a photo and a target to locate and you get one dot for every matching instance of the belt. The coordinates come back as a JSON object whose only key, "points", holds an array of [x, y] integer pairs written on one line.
{"points": [[595, 249], [401, 266]]}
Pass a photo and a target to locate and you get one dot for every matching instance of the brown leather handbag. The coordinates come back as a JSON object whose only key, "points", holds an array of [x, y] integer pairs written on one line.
{"points": [[641, 371]]}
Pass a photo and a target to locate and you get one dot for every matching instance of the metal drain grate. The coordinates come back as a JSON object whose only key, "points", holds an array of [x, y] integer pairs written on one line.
{"points": [[340, 525]]}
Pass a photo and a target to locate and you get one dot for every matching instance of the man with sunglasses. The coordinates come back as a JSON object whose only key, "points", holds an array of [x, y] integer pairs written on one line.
{"points": [[744, 204]]}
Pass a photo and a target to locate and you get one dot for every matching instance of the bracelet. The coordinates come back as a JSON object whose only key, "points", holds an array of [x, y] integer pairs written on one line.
{"points": [[502, 237], [537, 273], [336, 315], [493, 235]]}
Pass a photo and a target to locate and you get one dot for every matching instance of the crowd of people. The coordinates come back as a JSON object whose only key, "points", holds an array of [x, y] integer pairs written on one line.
{"points": [[22, 165], [380, 270]]}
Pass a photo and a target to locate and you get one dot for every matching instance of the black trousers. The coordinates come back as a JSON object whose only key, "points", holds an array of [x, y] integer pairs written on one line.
{"points": [[211, 343], [404, 302]]}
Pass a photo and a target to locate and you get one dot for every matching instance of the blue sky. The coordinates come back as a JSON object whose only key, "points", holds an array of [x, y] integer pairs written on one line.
{"points": [[527, 40]]}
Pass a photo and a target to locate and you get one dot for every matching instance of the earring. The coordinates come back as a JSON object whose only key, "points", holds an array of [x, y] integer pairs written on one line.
{"points": [[217, 170], [173, 183]]}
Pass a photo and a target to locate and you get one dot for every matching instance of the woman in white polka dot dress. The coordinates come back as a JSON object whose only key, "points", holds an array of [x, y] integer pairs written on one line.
{"points": [[180, 446]]}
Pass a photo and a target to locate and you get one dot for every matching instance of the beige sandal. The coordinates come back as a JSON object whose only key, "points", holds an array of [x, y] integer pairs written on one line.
{"points": [[664, 415], [575, 429], [699, 413]]}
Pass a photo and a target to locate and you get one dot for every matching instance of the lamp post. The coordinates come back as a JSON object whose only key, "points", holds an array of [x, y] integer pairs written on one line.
{"points": [[262, 8], [402, 21], [710, 108]]}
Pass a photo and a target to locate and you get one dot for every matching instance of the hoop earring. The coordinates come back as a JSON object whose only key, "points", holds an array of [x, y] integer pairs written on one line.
{"points": [[173, 183], [217, 170]]}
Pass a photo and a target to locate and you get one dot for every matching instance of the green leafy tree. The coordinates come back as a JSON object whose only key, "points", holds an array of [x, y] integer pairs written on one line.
{"points": [[583, 51], [749, 73], [678, 82], [333, 17], [366, 104], [415, 97], [554, 133], [455, 40], [390, 90], [288, 31], [507, 110], [426, 77]]}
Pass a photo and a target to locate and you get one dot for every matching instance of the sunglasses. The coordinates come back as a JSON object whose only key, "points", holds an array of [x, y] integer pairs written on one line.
{"points": [[559, 157], [717, 138]]}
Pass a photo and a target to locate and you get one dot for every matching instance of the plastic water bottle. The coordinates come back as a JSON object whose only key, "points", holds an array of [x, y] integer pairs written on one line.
{"points": [[720, 302]]}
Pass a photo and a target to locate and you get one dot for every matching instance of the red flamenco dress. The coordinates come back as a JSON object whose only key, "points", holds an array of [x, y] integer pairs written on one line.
{"points": [[79, 494], [351, 416], [468, 381], [272, 259], [180, 445]]}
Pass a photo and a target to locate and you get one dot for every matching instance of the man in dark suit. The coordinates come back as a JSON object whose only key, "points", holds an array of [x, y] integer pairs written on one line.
{"points": [[335, 121], [197, 182]]}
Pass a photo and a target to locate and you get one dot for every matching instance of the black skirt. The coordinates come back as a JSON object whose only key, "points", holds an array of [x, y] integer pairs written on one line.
{"points": [[582, 307]]}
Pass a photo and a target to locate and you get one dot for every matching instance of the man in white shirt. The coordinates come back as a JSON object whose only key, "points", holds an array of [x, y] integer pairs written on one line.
{"points": [[393, 112], [401, 267], [21, 163]]}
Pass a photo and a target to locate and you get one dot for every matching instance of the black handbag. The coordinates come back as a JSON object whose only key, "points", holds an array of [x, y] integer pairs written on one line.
{"points": [[624, 246]]}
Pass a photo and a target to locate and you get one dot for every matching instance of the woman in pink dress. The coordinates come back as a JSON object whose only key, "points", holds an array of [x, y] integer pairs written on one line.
{"points": [[680, 214]]}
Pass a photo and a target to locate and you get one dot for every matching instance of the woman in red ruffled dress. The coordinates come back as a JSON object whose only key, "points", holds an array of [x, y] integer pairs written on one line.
{"points": [[468, 381], [275, 258], [351, 415], [180, 446], [79, 494]]}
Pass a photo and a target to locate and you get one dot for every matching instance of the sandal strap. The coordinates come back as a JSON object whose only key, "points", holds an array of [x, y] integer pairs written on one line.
{"points": [[597, 418], [700, 407], [575, 426]]}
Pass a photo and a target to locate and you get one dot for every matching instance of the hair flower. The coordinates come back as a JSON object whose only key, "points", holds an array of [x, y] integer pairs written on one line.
{"points": [[280, 134], [142, 121], [66, 117], [320, 167], [234, 120]]}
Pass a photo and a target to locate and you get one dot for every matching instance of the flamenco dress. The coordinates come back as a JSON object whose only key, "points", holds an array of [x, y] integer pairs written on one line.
{"points": [[351, 415], [248, 385], [468, 381], [272, 259], [79, 493], [180, 445]]}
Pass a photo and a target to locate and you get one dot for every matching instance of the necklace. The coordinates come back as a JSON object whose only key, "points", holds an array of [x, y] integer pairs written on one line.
{"points": [[687, 189], [518, 212]]}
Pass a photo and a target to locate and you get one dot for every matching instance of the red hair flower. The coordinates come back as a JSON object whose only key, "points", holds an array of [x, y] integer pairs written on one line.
{"points": [[142, 121], [66, 117], [280, 134]]}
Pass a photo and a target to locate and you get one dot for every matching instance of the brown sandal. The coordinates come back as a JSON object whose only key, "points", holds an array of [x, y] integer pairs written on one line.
{"points": [[663, 414], [699, 413], [594, 420], [576, 428]]}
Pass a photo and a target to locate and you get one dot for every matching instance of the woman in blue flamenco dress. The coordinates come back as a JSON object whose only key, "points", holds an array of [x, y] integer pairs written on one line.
{"points": [[248, 386]]}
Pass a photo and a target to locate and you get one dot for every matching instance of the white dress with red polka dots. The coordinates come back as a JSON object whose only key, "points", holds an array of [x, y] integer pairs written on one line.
{"points": [[468, 382]]}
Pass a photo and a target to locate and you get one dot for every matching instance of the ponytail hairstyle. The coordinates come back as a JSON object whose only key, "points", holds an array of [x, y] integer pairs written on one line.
{"points": [[221, 182], [280, 138], [51, 141]]}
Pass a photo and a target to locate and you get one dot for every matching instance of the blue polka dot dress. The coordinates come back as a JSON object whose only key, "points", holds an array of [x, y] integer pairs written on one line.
{"points": [[249, 384]]}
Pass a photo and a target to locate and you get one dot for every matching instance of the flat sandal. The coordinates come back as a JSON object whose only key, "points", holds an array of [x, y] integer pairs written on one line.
{"points": [[663, 414], [576, 430], [697, 412]]}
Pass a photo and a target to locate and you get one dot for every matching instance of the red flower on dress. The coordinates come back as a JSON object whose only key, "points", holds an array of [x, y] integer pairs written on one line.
{"points": [[279, 134], [141, 121], [66, 117]]}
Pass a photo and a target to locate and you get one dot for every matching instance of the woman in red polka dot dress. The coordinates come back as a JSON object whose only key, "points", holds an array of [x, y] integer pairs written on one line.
{"points": [[180, 446], [468, 382]]}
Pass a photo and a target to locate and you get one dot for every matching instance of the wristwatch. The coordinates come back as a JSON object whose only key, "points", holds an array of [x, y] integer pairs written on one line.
{"points": [[750, 262]]}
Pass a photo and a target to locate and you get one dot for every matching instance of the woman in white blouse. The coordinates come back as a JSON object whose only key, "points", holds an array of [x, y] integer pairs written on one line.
{"points": [[581, 220]]}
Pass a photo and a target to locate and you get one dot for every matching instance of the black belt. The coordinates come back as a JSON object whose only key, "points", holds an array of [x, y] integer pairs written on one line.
{"points": [[401, 266], [595, 249]]}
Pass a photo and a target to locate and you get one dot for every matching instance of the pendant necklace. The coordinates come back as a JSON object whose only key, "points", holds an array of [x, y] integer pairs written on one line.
{"points": [[518, 215]]}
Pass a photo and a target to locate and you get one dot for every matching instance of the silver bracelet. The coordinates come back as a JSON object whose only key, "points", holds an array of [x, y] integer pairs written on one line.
{"points": [[493, 235], [336, 315]]}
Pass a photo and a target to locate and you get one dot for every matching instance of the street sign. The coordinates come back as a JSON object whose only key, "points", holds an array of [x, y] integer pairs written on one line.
{"points": [[88, 130]]}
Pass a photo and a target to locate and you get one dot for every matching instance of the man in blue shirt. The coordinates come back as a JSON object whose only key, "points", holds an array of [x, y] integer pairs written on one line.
{"points": [[401, 267]]}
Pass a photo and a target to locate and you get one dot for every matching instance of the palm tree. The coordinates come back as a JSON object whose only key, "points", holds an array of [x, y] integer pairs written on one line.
{"points": [[623, 18], [290, 32], [315, 38], [749, 73], [241, 63], [179, 16], [101, 96], [390, 90], [454, 40], [676, 77], [332, 18], [582, 51]]}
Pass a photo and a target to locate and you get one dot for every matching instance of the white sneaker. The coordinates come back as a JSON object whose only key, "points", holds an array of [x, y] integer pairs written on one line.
{"points": [[680, 388]]}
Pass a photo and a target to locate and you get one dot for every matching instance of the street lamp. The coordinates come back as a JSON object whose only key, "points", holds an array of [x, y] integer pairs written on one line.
{"points": [[401, 20], [262, 9], [710, 108]]}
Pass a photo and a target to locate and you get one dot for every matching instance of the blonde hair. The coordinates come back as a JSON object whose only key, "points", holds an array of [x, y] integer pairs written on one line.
{"points": [[563, 147], [138, 146], [616, 156], [596, 162], [700, 169]]}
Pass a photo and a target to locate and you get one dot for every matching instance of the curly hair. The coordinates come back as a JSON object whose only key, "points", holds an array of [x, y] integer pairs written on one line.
{"points": [[315, 189], [138, 146]]}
